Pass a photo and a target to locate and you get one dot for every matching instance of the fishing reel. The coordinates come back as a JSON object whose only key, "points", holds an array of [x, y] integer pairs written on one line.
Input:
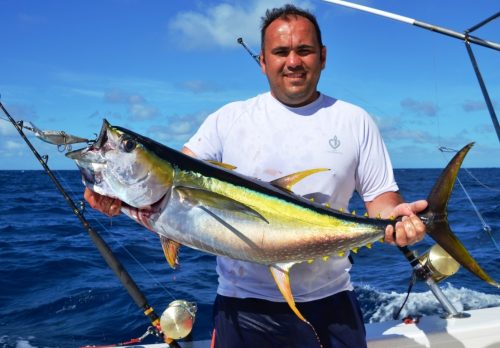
{"points": [[178, 319], [437, 264], [432, 267]]}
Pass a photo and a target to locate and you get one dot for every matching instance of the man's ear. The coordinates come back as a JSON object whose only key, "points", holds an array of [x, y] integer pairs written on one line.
{"points": [[323, 57], [262, 62]]}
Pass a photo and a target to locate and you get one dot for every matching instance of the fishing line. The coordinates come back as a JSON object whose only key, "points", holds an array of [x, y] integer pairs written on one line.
{"points": [[97, 219], [100, 244], [70, 190], [486, 227]]}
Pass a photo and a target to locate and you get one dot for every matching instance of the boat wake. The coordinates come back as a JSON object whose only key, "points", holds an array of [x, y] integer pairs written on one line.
{"points": [[380, 306]]}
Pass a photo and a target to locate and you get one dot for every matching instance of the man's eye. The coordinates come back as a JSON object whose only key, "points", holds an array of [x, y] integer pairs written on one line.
{"points": [[304, 52], [281, 53]]}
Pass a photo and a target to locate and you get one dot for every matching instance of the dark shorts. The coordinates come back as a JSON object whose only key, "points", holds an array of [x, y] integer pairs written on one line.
{"points": [[337, 322]]}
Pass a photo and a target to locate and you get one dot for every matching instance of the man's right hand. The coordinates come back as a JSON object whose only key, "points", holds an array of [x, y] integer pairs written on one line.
{"points": [[106, 205]]}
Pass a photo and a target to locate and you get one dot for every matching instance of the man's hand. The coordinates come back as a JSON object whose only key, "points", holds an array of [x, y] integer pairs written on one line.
{"points": [[106, 205], [410, 229]]}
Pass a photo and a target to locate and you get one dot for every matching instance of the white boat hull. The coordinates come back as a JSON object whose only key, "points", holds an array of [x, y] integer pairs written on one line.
{"points": [[480, 330]]}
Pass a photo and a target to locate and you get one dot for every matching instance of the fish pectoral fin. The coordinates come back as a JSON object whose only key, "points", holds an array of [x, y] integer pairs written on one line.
{"points": [[171, 250], [222, 165], [280, 272], [198, 196], [286, 183]]}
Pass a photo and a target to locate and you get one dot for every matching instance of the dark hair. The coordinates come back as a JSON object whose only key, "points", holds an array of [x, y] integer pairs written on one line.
{"points": [[283, 13]]}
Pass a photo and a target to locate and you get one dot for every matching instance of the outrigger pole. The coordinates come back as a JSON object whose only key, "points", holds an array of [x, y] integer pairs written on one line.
{"points": [[101, 245], [465, 37]]}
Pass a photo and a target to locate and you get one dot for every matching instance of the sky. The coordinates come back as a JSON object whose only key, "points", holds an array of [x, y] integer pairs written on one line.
{"points": [[160, 67]]}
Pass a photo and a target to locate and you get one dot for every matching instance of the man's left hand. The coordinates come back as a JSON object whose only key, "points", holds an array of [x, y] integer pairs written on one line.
{"points": [[410, 229]]}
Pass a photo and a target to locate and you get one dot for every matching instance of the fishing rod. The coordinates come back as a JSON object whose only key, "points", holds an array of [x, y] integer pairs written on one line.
{"points": [[100, 244], [465, 37], [256, 57]]}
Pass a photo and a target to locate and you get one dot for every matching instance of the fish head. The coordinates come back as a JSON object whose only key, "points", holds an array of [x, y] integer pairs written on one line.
{"points": [[121, 164]]}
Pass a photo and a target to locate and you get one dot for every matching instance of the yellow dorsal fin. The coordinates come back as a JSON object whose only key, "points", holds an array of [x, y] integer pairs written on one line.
{"points": [[223, 165], [286, 183], [171, 251]]}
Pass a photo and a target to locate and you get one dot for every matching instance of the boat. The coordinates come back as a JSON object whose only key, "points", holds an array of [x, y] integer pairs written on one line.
{"points": [[477, 330]]}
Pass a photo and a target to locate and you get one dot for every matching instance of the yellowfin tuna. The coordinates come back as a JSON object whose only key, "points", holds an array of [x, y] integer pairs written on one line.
{"points": [[211, 208]]}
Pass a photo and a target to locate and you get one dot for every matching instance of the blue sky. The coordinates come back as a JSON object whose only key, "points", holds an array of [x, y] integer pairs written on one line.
{"points": [[160, 67]]}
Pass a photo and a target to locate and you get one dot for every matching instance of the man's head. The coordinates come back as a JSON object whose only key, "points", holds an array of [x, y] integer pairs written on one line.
{"points": [[292, 54]]}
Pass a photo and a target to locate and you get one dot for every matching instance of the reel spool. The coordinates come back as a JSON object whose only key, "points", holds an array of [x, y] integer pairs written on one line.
{"points": [[178, 319], [439, 262]]}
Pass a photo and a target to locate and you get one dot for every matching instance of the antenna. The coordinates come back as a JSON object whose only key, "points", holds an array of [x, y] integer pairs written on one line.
{"points": [[254, 56]]}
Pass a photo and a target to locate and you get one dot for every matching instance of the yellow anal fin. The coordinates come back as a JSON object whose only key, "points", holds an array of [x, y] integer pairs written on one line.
{"points": [[171, 251], [280, 274], [222, 165], [286, 183]]}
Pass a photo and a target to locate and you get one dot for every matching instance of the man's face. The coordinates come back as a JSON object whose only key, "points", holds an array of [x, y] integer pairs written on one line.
{"points": [[292, 60]]}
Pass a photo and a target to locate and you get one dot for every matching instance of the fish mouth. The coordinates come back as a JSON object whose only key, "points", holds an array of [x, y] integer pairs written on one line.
{"points": [[90, 154]]}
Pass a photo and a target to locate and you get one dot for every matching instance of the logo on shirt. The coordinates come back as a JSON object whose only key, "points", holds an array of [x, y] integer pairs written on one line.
{"points": [[334, 143]]}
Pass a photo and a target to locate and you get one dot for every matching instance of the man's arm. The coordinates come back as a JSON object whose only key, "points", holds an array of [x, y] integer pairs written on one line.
{"points": [[410, 229], [111, 206]]}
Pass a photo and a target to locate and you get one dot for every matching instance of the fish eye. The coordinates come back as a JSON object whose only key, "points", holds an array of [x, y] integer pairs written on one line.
{"points": [[128, 145]]}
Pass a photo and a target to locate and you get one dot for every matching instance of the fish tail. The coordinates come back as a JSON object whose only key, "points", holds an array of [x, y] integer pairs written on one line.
{"points": [[436, 217]]}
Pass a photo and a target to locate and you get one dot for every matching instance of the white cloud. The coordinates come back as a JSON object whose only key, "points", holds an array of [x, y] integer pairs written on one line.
{"points": [[221, 25], [138, 107], [13, 145], [178, 130], [143, 112], [6, 128], [419, 107], [199, 86]]}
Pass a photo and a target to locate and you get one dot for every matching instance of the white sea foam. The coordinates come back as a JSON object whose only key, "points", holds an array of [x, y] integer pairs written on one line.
{"points": [[424, 303]]}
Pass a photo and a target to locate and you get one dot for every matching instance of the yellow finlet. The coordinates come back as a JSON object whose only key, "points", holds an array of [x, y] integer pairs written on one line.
{"points": [[353, 212], [341, 253], [355, 250], [310, 261], [369, 245], [325, 258]]}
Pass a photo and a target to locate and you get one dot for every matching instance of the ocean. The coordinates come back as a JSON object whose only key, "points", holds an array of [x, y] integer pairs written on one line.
{"points": [[56, 290]]}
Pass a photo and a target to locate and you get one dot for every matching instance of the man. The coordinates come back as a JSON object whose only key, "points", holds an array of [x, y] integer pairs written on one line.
{"points": [[292, 128]]}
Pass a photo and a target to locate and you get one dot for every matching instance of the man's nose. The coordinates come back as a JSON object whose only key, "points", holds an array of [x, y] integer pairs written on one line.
{"points": [[293, 60]]}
